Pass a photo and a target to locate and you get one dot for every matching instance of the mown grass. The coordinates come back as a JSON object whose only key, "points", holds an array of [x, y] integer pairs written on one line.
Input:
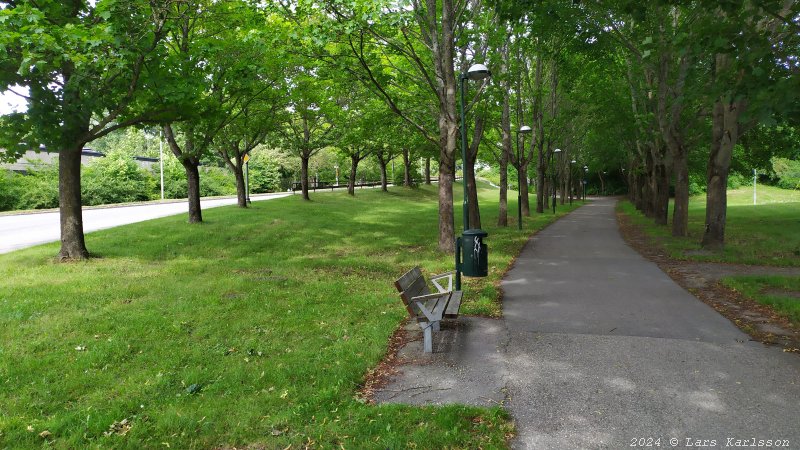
{"points": [[782, 293], [762, 234], [253, 328]]}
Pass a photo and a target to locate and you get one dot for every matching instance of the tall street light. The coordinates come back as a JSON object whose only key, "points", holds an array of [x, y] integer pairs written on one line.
{"points": [[571, 183], [585, 180], [555, 173], [522, 130], [472, 240]]}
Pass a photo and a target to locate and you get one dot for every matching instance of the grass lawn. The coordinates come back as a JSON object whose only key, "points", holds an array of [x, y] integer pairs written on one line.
{"points": [[764, 234], [254, 328], [782, 293]]}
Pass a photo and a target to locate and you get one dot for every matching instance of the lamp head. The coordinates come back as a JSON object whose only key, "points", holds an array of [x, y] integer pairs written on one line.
{"points": [[478, 72], [524, 129], [558, 150], [573, 161]]}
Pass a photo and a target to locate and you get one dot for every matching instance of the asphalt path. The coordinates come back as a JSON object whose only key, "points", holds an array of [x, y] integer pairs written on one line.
{"points": [[606, 351], [599, 348], [26, 230]]}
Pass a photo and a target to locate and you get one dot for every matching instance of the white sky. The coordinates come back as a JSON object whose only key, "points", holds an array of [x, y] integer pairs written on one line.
{"points": [[10, 102]]}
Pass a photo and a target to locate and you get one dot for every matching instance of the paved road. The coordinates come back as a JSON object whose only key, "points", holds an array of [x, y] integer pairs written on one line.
{"points": [[600, 349], [26, 230]]}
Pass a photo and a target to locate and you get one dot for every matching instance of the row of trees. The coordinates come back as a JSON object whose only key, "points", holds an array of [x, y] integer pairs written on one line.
{"points": [[644, 90]]}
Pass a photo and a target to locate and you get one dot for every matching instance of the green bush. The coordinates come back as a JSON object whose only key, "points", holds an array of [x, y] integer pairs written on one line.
{"points": [[9, 190], [265, 173], [737, 180], [116, 179], [697, 184], [788, 172], [38, 189], [216, 181]]}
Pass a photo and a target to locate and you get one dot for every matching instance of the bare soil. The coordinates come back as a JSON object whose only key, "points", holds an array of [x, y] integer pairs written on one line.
{"points": [[759, 321]]}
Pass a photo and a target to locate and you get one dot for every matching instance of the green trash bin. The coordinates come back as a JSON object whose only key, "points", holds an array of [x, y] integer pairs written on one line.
{"points": [[474, 253]]}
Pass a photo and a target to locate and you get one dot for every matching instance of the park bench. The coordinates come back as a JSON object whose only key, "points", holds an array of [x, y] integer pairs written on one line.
{"points": [[429, 308]]}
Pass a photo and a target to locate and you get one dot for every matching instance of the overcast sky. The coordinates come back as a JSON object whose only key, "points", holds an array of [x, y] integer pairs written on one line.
{"points": [[9, 102]]}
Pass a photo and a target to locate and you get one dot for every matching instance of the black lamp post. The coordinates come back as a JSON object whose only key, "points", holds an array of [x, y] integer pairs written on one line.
{"points": [[554, 179], [571, 182], [522, 130], [585, 180], [475, 72]]}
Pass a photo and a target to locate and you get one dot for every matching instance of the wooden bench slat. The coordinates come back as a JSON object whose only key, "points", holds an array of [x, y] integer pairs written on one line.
{"points": [[453, 305], [408, 278], [417, 288]]}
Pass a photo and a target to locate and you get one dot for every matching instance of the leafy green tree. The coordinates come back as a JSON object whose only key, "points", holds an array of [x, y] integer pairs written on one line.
{"points": [[309, 128], [405, 56], [87, 67]]}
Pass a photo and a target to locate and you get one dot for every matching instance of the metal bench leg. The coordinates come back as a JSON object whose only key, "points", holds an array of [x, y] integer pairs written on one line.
{"points": [[428, 339]]}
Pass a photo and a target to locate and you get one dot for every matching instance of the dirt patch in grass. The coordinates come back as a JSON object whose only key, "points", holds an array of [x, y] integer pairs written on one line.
{"points": [[761, 322]]}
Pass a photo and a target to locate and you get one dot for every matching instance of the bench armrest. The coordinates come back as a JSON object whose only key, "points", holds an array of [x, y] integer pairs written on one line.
{"points": [[449, 275], [422, 298]]}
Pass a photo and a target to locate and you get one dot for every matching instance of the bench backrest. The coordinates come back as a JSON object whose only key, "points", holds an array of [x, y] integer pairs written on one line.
{"points": [[410, 285]]}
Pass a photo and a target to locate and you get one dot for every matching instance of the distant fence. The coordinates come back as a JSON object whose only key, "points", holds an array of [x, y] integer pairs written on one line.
{"points": [[314, 185]]}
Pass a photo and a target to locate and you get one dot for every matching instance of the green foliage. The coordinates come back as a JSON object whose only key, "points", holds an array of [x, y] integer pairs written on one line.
{"points": [[38, 189], [116, 179], [788, 172], [262, 345], [215, 181], [697, 183], [174, 177], [265, 172], [736, 180], [9, 190], [130, 141]]}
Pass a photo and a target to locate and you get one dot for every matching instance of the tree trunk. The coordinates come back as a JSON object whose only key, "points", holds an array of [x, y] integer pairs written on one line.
{"points": [[351, 182], [407, 180], [428, 170], [241, 191], [680, 214], [384, 179], [193, 189], [448, 133], [446, 225], [502, 214], [505, 152], [725, 133], [73, 245], [469, 172], [661, 194], [304, 176], [648, 191], [541, 195], [639, 191]]}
